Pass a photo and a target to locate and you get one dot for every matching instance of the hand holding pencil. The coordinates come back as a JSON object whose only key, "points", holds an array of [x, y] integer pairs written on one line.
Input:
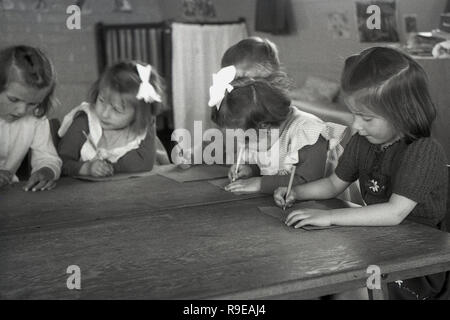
{"points": [[284, 197], [236, 170], [289, 188], [239, 171]]}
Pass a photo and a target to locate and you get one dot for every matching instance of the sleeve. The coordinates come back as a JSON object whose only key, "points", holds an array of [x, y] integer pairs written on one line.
{"points": [[140, 159], [255, 170], [348, 165], [311, 166], [70, 145], [421, 169], [43, 152]]}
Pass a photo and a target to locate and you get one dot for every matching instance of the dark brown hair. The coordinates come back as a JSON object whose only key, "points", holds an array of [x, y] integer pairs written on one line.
{"points": [[31, 67], [252, 57], [123, 79], [252, 103], [391, 84]]}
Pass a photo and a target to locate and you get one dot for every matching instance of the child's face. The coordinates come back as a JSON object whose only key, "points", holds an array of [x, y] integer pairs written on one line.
{"points": [[375, 129], [113, 113], [19, 100]]}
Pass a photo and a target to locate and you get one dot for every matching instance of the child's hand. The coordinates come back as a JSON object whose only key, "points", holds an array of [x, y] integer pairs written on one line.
{"points": [[5, 177], [279, 196], [314, 217], [100, 168], [244, 171], [43, 179], [250, 185]]}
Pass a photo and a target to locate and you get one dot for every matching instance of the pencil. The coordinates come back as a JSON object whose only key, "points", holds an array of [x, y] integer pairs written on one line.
{"points": [[236, 170], [291, 179]]}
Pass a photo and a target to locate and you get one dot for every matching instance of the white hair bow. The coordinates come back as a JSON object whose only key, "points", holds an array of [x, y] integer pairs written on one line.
{"points": [[146, 91], [221, 82]]}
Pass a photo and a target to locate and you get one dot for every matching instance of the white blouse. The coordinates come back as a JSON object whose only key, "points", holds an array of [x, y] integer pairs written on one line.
{"points": [[26, 133]]}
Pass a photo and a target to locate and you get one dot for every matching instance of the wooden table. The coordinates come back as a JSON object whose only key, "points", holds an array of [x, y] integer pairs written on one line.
{"points": [[151, 243], [80, 202]]}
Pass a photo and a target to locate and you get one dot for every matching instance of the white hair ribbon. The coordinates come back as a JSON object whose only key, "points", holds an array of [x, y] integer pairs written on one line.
{"points": [[221, 82], [146, 91]]}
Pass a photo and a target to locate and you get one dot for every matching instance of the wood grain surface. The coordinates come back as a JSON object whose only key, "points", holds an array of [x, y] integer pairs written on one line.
{"points": [[220, 251], [74, 201]]}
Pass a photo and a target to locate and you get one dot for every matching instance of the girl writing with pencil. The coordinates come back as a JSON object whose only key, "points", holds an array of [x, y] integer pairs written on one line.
{"points": [[252, 57], [252, 92], [115, 131], [259, 103], [401, 169]]}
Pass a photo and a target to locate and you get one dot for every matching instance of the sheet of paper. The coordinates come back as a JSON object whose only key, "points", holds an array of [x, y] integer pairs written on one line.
{"points": [[196, 173], [124, 176], [116, 177], [281, 215], [221, 183]]}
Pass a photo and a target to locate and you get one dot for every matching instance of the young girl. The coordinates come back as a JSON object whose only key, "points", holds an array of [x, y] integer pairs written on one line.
{"points": [[260, 103], [252, 57], [401, 169], [251, 92], [27, 82], [115, 131]]}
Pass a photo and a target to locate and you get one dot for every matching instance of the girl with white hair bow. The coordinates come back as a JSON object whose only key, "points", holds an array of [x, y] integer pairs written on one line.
{"points": [[114, 132]]}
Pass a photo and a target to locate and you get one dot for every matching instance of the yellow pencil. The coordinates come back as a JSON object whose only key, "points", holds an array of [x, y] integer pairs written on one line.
{"points": [[236, 170], [291, 179]]}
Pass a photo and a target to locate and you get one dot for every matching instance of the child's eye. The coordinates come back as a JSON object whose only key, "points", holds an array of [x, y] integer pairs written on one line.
{"points": [[101, 99], [32, 105], [367, 119], [117, 109], [13, 100]]}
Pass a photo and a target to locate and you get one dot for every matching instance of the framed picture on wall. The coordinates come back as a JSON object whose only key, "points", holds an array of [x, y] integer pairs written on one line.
{"points": [[123, 6], [338, 25], [6, 5], [410, 23], [379, 23]]}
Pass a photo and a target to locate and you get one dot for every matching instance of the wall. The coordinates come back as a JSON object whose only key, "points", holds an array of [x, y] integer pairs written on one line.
{"points": [[310, 49], [72, 51]]}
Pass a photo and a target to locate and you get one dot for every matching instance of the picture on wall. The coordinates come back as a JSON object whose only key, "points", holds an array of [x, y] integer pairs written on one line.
{"points": [[6, 5], [410, 23], [338, 25], [199, 9], [123, 6], [387, 16]]}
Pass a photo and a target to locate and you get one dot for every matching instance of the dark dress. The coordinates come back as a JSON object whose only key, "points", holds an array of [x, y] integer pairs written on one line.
{"points": [[416, 170]]}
